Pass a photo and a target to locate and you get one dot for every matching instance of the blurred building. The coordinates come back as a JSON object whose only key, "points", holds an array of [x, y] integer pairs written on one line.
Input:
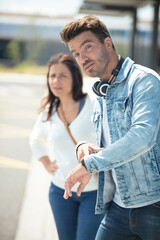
{"points": [[35, 38], [145, 40], [29, 38]]}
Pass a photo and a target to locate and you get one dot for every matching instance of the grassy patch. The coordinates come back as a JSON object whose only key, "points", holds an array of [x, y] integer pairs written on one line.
{"points": [[25, 67]]}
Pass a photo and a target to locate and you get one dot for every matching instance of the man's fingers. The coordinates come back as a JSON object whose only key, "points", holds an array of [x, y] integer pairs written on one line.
{"points": [[65, 195], [80, 189], [82, 151], [94, 148], [86, 151], [78, 174], [68, 186]]}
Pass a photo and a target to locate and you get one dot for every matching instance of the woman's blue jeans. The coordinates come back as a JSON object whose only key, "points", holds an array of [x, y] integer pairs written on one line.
{"points": [[130, 224], [75, 218]]}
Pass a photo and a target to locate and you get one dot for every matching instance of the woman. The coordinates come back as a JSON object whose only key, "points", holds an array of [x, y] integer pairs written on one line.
{"points": [[53, 146]]}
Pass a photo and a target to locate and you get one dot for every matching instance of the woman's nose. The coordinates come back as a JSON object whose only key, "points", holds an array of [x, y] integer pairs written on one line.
{"points": [[56, 79]]}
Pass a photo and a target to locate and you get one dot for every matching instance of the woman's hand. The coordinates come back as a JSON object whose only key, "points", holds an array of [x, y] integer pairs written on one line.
{"points": [[51, 167]]}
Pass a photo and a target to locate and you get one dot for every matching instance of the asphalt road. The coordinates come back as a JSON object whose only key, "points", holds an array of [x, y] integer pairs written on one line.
{"points": [[19, 100]]}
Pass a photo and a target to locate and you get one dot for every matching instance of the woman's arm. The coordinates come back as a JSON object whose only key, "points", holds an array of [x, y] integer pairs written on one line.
{"points": [[51, 167]]}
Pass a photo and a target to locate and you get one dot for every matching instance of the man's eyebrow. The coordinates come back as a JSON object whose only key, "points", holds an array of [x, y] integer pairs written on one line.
{"points": [[86, 41], [82, 44]]}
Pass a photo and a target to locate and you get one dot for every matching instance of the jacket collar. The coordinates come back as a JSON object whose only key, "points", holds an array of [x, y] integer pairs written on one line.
{"points": [[124, 71]]}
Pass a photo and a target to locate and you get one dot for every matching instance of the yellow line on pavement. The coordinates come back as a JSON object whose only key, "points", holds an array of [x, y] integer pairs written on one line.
{"points": [[6, 162], [12, 131]]}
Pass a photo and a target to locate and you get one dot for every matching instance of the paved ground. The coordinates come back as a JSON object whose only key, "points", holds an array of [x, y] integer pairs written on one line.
{"points": [[24, 209]]}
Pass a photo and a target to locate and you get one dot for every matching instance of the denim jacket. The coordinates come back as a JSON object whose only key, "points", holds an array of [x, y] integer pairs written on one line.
{"points": [[133, 110]]}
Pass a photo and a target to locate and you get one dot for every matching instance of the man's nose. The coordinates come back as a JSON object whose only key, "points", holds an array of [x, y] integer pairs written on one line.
{"points": [[83, 58]]}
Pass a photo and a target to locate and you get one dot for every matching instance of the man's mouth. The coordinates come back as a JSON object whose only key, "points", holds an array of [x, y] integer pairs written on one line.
{"points": [[88, 66]]}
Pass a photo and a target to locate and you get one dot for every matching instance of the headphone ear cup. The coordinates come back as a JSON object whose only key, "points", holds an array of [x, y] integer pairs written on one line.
{"points": [[100, 87], [95, 88]]}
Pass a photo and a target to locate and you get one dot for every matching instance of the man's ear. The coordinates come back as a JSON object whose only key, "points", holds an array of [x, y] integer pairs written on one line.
{"points": [[108, 43]]}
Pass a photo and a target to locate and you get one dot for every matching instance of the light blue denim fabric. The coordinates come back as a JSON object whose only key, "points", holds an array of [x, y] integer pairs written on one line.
{"points": [[133, 109]]}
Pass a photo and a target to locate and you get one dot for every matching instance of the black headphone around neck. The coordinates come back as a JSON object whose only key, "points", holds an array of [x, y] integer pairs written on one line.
{"points": [[100, 87]]}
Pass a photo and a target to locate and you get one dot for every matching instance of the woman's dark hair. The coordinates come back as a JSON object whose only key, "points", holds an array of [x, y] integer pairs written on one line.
{"points": [[77, 82]]}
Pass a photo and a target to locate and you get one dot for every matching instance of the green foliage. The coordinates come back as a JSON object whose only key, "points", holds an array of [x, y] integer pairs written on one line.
{"points": [[33, 50], [13, 51], [122, 49]]}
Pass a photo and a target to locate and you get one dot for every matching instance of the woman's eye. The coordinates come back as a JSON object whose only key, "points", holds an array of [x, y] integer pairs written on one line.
{"points": [[63, 76], [52, 76]]}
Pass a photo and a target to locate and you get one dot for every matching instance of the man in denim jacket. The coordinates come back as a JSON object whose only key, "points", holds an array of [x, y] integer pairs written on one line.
{"points": [[127, 122]]}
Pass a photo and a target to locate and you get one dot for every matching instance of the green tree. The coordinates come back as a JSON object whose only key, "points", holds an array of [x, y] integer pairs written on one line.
{"points": [[13, 51]]}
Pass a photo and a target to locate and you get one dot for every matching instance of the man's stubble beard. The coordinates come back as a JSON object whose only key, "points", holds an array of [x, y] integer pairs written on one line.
{"points": [[100, 71]]}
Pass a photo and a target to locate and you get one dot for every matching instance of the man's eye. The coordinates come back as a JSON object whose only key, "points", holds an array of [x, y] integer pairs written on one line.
{"points": [[88, 47], [76, 55]]}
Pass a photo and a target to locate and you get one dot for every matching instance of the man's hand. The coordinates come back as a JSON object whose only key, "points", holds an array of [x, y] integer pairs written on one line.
{"points": [[86, 149], [78, 174]]}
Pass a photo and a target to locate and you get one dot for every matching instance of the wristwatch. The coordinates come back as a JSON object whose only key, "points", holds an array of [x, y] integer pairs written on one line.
{"points": [[78, 145], [83, 163]]}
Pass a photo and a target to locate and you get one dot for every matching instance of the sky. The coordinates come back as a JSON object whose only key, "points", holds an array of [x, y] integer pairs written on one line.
{"points": [[54, 7], [48, 7], [68, 8]]}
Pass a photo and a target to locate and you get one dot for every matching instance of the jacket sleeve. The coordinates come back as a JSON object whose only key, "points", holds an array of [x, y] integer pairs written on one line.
{"points": [[141, 136], [38, 138]]}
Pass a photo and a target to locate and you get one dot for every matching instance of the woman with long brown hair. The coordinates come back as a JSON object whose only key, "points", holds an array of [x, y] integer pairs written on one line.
{"points": [[64, 119]]}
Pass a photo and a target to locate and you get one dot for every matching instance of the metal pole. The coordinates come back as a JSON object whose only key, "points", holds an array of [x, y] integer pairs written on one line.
{"points": [[134, 33], [154, 58]]}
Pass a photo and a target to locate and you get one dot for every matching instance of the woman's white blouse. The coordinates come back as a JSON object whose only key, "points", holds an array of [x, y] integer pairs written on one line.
{"points": [[50, 138]]}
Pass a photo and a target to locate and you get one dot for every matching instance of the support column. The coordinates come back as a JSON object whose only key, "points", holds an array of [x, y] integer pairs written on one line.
{"points": [[134, 33], [154, 55]]}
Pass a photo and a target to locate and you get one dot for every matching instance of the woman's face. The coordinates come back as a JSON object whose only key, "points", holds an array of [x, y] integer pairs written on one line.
{"points": [[60, 80]]}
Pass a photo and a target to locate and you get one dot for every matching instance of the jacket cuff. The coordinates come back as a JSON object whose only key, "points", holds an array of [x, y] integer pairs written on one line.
{"points": [[89, 163]]}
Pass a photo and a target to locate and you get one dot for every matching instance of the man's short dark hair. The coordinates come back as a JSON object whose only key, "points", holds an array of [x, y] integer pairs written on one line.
{"points": [[87, 23]]}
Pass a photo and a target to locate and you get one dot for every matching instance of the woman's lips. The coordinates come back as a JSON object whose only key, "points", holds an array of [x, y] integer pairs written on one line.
{"points": [[57, 88]]}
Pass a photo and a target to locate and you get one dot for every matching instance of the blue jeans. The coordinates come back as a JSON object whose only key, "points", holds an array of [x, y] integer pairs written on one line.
{"points": [[75, 218], [130, 223]]}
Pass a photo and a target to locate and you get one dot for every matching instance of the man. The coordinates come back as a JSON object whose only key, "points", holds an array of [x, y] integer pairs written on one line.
{"points": [[127, 122]]}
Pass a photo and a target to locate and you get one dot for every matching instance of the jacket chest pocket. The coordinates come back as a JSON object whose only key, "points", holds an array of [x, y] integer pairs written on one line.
{"points": [[122, 110], [97, 125], [96, 119]]}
